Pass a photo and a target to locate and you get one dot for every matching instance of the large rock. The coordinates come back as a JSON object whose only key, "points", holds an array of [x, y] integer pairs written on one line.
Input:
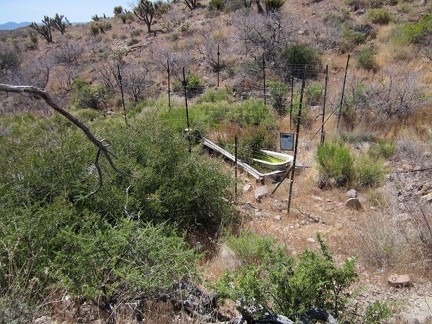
{"points": [[352, 193], [399, 281], [354, 203], [261, 193]]}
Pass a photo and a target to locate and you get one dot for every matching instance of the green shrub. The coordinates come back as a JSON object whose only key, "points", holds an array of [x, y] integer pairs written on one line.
{"points": [[216, 4], [415, 33], [366, 58], [336, 165], [192, 83], [369, 172], [360, 4], [94, 29], [128, 258], [9, 60], [377, 312], [278, 93], [378, 16], [290, 286], [88, 96], [214, 95], [135, 33], [351, 37], [335, 18], [302, 57], [382, 150], [253, 112], [249, 248], [313, 93], [133, 41], [273, 5], [118, 10]]}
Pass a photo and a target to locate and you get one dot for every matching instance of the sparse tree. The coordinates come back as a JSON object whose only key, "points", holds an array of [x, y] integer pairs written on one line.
{"points": [[45, 29], [118, 10], [10, 61], [136, 82], [191, 4], [264, 35], [210, 51], [58, 23], [147, 11], [67, 55]]}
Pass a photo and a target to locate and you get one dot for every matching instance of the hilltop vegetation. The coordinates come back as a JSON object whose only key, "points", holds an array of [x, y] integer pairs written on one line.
{"points": [[82, 240]]}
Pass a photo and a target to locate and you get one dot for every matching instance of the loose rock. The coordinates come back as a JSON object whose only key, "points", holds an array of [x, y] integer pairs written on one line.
{"points": [[399, 281], [354, 203]]}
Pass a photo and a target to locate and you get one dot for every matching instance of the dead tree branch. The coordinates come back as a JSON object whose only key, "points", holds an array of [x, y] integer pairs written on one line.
{"points": [[102, 148]]}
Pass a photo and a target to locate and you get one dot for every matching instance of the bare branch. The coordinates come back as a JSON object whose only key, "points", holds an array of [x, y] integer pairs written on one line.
{"points": [[99, 144]]}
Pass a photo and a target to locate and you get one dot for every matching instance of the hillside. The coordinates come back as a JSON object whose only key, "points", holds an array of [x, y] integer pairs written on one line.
{"points": [[366, 70]]}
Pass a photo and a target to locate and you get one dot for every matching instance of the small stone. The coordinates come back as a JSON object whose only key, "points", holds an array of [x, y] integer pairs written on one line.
{"points": [[278, 218], [311, 240], [316, 198], [247, 187], [278, 206], [352, 193], [427, 199], [261, 193], [354, 203], [399, 281]]}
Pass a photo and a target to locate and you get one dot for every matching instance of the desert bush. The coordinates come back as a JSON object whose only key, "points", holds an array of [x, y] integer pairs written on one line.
{"points": [[361, 4], [94, 29], [301, 57], [290, 286], [420, 30], [366, 58], [216, 4], [191, 84], [396, 95], [253, 113], [369, 172], [335, 163], [378, 16], [382, 149], [88, 96], [278, 92], [135, 32], [9, 60], [313, 93], [214, 95], [377, 312], [128, 259], [336, 18], [132, 41], [273, 5], [249, 248], [351, 36]]}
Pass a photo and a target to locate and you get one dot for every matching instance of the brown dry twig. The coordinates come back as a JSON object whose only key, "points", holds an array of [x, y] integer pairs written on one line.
{"points": [[102, 148]]}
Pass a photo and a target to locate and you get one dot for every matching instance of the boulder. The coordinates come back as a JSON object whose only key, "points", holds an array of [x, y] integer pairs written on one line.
{"points": [[352, 193], [399, 281], [354, 203], [260, 193]]}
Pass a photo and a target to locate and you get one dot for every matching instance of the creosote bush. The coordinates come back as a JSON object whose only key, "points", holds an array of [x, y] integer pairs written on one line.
{"points": [[53, 233], [378, 16], [291, 285], [338, 167], [300, 55], [366, 58], [249, 248]]}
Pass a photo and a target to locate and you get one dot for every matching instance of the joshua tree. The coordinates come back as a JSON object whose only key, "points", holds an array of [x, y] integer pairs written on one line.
{"points": [[147, 10], [44, 30], [58, 23]]}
